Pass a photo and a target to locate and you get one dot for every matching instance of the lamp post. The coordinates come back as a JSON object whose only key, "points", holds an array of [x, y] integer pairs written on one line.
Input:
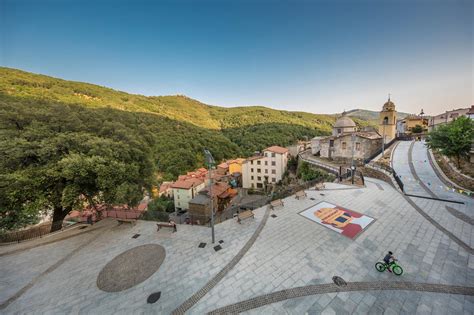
{"points": [[383, 138], [422, 121], [210, 162], [352, 163]]}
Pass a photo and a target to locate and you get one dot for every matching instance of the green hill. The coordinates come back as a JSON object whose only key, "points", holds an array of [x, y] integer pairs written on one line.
{"points": [[181, 126], [370, 115], [63, 143]]}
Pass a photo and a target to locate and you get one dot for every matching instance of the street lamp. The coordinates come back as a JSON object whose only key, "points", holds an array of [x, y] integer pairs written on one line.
{"points": [[352, 163], [210, 162], [383, 138]]}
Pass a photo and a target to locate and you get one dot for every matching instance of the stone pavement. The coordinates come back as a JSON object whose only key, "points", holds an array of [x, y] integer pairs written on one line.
{"points": [[289, 252]]}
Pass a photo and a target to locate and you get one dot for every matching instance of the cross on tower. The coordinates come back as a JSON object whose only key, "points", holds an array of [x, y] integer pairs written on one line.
{"points": [[389, 97]]}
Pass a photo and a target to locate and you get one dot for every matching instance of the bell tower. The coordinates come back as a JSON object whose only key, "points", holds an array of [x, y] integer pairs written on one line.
{"points": [[388, 121]]}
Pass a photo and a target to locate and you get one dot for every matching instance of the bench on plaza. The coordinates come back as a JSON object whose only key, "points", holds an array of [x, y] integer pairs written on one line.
{"points": [[276, 203], [300, 194], [245, 215], [165, 224], [319, 186], [131, 221]]}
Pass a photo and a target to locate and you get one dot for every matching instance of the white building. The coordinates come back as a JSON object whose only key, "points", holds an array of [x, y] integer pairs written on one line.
{"points": [[184, 191], [269, 168]]}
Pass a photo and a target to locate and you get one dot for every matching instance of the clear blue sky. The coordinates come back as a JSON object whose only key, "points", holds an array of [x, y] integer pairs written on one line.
{"points": [[315, 56]]}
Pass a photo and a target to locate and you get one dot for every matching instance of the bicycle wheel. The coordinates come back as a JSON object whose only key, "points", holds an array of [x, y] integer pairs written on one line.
{"points": [[380, 266], [397, 270]]}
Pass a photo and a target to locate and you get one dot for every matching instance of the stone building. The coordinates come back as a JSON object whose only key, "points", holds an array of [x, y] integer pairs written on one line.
{"points": [[346, 142]]}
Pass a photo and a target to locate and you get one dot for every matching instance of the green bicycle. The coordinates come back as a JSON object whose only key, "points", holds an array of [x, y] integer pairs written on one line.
{"points": [[381, 266]]}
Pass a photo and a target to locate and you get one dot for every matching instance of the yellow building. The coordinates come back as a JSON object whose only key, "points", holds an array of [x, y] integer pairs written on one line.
{"points": [[388, 121], [235, 166], [413, 120]]}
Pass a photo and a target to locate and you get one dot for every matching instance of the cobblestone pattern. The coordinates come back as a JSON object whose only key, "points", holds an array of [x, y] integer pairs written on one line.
{"points": [[215, 280], [278, 296], [49, 270], [46, 240], [413, 172], [453, 237], [460, 215], [423, 213]]}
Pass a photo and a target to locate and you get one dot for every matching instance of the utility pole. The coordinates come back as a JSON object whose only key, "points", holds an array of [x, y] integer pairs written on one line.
{"points": [[210, 162], [352, 163], [383, 138]]}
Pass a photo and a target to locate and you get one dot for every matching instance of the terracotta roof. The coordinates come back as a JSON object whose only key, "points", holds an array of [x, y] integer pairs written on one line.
{"points": [[256, 157], [223, 165], [277, 149], [217, 189], [187, 184], [165, 186], [202, 169]]}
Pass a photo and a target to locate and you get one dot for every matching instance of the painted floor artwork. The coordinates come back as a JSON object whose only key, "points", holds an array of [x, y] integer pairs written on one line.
{"points": [[341, 220]]}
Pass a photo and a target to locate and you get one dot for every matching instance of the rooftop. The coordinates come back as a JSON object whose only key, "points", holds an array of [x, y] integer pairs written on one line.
{"points": [[276, 149]]}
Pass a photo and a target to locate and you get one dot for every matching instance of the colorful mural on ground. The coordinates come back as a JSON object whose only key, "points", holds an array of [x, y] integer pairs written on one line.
{"points": [[341, 220]]}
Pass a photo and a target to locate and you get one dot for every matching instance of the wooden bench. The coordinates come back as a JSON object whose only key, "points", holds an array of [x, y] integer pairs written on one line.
{"points": [[166, 224], [131, 221], [276, 203], [300, 194], [319, 186], [245, 215]]}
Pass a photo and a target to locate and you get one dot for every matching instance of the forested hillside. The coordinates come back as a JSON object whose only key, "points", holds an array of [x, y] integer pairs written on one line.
{"points": [[63, 143]]}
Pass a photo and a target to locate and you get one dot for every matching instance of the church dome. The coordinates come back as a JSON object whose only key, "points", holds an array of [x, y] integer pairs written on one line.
{"points": [[344, 122], [389, 106]]}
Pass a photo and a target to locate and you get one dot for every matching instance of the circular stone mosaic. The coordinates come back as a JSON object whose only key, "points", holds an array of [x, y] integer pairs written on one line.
{"points": [[131, 268]]}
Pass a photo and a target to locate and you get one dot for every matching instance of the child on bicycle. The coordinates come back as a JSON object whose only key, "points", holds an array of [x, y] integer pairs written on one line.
{"points": [[389, 259]]}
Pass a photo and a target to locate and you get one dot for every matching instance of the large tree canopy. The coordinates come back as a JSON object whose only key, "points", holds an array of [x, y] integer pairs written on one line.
{"points": [[453, 139], [52, 160]]}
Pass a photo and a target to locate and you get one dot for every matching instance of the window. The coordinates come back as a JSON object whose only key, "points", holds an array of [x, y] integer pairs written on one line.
{"points": [[273, 163], [259, 170], [251, 162], [331, 143], [259, 185], [259, 178], [251, 170], [266, 171], [273, 154], [343, 145], [274, 180], [266, 162], [358, 146], [258, 162], [251, 177], [339, 130], [252, 185], [274, 171]]}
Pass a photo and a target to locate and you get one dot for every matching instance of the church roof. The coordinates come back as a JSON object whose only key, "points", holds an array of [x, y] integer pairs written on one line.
{"points": [[343, 122]]}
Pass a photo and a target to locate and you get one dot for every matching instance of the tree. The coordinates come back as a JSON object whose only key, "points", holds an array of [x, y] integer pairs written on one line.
{"points": [[54, 162], [453, 139], [417, 129]]}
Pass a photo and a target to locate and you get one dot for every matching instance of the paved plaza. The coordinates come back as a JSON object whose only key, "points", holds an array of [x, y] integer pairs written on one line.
{"points": [[277, 263]]}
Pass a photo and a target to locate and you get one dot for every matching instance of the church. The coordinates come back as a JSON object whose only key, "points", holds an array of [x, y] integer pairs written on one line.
{"points": [[347, 141]]}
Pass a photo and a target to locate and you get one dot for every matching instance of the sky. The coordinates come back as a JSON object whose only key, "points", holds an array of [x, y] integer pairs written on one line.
{"points": [[313, 56]]}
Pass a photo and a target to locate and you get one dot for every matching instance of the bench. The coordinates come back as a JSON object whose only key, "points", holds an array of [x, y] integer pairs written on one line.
{"points": [[319, 186], [245, 215], [276, 203], [131, 221], [300, 194], [166, 224]]}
